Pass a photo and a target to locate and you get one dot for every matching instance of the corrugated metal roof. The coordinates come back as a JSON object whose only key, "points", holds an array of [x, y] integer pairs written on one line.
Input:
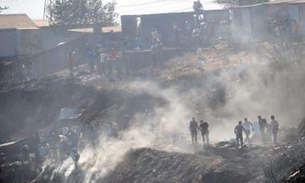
{"points": [[275, 2], [16, 21], [297, 2], [41, 23], [173, 13], [279, 2]]}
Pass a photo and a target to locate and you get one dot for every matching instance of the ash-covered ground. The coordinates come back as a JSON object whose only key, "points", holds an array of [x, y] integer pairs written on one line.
{"points": [[161, 102]]}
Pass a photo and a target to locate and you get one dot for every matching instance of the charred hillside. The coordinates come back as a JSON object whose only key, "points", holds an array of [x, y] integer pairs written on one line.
{"points": [[161, 101], [147, 165], [34, 105]]}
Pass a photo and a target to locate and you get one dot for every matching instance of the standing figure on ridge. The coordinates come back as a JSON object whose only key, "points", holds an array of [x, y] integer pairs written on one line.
{"points": [[238, 130], [262, 127], [274, 128], [194, 130], [247, 125], [204, 129]]}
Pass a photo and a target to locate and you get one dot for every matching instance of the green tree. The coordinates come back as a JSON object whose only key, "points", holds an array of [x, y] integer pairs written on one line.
{"points": [[71, 12]]}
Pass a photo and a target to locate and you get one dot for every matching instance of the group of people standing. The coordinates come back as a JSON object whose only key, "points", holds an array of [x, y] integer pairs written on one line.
{"points": [[100, 60], [104, 62], [203, 127], [265, 130]]}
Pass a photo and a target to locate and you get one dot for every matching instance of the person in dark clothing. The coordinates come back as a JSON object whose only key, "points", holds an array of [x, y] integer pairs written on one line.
{"points": [[74, 137], [195, 7], [204, 129], [262, 126], [194, 130], [75, 157], [238, 130], [199, 6]]}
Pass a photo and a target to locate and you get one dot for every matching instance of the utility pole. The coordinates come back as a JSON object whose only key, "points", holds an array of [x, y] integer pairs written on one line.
{"points": [[47, 3]]}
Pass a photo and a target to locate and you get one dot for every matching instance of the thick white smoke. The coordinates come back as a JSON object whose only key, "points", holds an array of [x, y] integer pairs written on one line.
{"points": [[249, 89]]}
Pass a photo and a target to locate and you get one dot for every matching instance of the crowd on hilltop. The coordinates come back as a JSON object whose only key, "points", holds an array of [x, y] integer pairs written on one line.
{"points": [[266, 130], [198, 31], [102, 61]]}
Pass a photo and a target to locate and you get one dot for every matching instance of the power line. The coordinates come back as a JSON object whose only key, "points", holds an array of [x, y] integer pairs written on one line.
{"points": [[192, 7], [168, 2], [184, 9], [142, 4], [8, 1]]}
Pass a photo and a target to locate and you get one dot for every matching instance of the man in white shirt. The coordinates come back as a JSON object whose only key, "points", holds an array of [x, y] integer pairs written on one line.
{"points": [[274, 128], [247, 125]]}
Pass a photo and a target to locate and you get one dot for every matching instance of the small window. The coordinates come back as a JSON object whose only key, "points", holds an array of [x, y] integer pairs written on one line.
{"points": [[238, 19]]}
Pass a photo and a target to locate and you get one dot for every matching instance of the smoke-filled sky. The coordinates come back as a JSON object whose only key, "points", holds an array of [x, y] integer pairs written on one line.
{"points": [[35, 8]]}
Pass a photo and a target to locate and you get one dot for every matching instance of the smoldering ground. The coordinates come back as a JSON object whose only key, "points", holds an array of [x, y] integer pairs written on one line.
{"points": [[221, 97]]}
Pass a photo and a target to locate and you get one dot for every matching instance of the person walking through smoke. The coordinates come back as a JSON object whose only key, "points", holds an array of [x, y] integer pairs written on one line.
{"points": [[274, 128], [194, 130], [262, 127], [238, 130], [203, 127], [247, 125]]}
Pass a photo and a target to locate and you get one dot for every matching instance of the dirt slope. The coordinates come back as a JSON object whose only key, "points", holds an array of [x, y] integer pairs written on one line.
{"points": [[147, 165]]}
